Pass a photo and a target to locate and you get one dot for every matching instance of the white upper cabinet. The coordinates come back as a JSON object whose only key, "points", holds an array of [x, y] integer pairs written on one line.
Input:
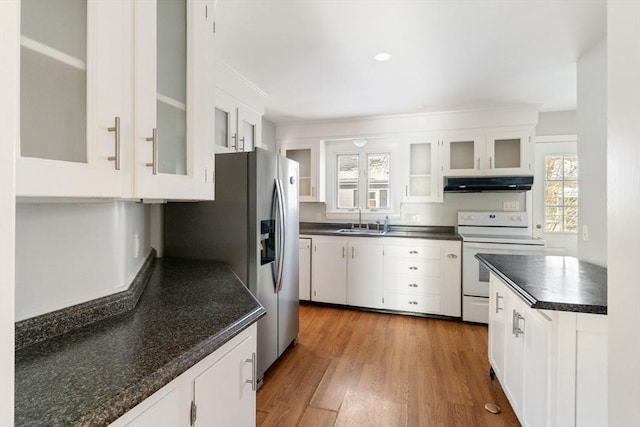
{"points": [[311, 157], [174, 107], [238, 127], [504, 152], [75, 99], [422, 171], [107, 99]]}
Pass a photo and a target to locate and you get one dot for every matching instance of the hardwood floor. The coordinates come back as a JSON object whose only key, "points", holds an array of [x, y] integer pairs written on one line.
{"points": [[355, 368]]}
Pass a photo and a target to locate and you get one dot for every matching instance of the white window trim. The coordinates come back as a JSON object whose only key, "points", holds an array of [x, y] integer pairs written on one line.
{"points": [[381, 145]]}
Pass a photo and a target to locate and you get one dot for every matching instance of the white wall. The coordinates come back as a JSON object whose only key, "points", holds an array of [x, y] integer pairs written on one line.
{"points": [[71, 253], [441, 214], [623, 173], [9, 73], [269, 135], [557, 123], [592, 153]]}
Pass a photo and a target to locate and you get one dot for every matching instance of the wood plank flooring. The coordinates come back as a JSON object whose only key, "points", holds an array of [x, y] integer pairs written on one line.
{"points": [[356, 368]]}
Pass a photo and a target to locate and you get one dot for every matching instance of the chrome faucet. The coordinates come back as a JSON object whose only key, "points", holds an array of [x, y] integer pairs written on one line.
{"points": [[359, 217]]}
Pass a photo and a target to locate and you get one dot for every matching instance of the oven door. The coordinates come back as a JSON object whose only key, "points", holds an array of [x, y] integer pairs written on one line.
{"points": [[475, 276]]}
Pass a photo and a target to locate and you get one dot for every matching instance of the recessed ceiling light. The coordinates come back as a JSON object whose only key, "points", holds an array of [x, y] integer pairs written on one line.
{"points": [[382, 56]]}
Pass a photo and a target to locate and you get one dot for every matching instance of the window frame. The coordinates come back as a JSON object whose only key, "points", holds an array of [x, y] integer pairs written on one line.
{"points": [[563, 206], [335, 148]]}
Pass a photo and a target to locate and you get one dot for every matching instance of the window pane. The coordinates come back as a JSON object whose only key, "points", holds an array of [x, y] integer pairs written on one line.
{"points": [[571, 168], [561, 194], [347, 181], [378, 180]]}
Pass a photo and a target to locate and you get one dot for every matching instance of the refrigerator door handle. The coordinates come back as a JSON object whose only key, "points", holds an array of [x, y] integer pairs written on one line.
{"points": [[280, 240]]}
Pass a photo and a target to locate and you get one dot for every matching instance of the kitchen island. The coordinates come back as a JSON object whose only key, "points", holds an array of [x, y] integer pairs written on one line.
{"points": [[94, 374], [548, 337]]}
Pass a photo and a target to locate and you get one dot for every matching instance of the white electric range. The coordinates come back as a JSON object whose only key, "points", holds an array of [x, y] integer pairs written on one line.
{"points": [[492, 233]]}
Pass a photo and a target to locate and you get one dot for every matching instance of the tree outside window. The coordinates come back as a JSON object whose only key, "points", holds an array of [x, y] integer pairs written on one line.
{"points": [[561, 194]]}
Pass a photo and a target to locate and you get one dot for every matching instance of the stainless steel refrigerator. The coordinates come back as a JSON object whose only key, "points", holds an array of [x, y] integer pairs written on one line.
{"points": [[253, 226]]}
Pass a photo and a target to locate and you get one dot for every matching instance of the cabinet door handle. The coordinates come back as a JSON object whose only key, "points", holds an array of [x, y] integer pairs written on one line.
{"points": [[497, 305], [116, 129], [154, 139], [406, 190], [413, 252], [253, 381], [413, 285], [413, 268], [490, 162], [313, 191], [478, 162], [454, 256], [241, 147], [235, 140], [518, 331], [352, 252], [343, 252]]}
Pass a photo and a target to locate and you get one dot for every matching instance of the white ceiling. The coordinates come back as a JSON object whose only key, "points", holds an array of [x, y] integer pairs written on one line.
{"points": [[314, 58]]}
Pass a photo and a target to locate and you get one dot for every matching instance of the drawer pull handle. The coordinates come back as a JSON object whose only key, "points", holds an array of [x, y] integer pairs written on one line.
{"points": [[413, 252], [498, 297], [413, 268], [413, 302], [454, 256], [413, 285]]}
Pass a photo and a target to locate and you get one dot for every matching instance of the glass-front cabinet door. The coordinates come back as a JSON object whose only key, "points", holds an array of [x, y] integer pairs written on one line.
{"points": [[463, 154], [310, 155], [423, 178], [174, 130], [249, 129], [75, 99], [509, 153]]}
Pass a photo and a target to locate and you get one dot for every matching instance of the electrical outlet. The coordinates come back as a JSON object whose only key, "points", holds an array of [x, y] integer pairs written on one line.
{"points": [[585, 233], [511, 206]]}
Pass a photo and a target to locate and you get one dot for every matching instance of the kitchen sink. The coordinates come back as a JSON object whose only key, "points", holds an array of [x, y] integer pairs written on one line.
{"points": [[362, 231]]}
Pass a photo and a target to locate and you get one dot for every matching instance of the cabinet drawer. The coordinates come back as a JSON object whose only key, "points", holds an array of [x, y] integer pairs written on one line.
{"points": [[417, 303], [412, 285], [411, 267], [420, 252]]}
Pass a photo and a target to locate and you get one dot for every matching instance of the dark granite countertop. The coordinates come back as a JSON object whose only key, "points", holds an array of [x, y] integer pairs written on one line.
{"points": [[559, 283], [92, 375], [411, 231]]}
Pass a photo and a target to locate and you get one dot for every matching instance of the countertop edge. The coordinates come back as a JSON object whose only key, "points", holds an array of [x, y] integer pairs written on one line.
{"points": [[543, 305], [130, 397]]}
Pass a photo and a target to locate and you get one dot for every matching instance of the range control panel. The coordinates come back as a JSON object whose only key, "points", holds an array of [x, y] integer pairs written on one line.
{"points": [[493, 219]]}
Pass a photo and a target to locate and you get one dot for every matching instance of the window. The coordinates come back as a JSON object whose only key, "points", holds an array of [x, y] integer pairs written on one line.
{"points": [[561, 193], [362, 177]]}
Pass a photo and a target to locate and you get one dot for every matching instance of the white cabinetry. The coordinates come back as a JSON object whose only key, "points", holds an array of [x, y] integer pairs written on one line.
{"points": [[311, 157], [347, 271], [422, 171], [304, 255], [76, 80], [238, 127], [422, 276], [174, 132], [364, 284], [218, 390], [551, 364], [504, 152], [329, 274], [108, 104]]}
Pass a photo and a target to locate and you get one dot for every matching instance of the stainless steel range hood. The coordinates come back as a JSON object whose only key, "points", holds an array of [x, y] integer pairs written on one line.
{"points": [[476, 184]]}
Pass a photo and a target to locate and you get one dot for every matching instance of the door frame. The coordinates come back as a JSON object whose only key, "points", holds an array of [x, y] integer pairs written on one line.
{"points": [[557, 243]]}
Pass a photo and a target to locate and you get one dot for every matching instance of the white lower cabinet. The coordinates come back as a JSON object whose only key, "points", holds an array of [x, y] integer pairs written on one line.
{"points": [[329, 270], [218, 390], [422, 276], [304, 272], [551, 364], [347, 271], [414, 275]]}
